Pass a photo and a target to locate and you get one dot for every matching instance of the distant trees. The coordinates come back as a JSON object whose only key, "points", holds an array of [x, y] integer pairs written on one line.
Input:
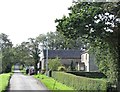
{"points": [[21, 54], [28, 53], [58, 41], [25, 53]]}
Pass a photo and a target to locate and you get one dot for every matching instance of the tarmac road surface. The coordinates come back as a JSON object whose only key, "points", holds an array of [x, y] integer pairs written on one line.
{"points": [[22, 82]]}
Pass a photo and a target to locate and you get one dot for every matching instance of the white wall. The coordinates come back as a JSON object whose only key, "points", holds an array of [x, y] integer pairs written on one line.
{"points": [[85, 59]]}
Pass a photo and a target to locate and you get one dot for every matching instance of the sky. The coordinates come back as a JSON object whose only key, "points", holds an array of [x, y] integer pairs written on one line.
{"points": [[23, 19]]}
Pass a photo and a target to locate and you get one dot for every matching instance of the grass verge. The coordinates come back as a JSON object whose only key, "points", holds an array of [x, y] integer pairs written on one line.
{"points": [[52, 84], [4, 81]]}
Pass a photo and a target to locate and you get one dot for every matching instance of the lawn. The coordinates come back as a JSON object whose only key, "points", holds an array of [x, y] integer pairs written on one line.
{"points": [[4, 80], [52, 84]]}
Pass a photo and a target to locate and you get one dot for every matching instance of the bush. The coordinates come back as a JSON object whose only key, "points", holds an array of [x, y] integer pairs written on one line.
{"points": [[80, 83], [12, 69], [61, 68], [21, 67], [54, 64]]}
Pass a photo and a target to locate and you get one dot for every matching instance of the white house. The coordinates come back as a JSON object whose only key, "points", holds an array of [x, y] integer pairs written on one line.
{"points": [[89, 61]]}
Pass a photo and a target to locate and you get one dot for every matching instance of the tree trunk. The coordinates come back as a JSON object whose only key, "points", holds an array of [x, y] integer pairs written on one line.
{"points": [[35, 67]]}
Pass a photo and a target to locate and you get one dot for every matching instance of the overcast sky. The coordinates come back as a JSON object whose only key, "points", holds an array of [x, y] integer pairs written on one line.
{"points": [[22, 19]]}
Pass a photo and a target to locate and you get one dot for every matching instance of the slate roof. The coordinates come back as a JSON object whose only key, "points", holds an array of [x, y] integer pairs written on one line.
{"points": [[63, 54]]}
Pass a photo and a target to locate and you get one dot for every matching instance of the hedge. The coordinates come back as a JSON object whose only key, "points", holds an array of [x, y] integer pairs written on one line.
{"points": [[88, 74], [80, 83]]}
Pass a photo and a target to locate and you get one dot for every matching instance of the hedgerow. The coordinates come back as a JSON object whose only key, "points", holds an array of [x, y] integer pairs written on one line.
{"points": [[80, 83]]}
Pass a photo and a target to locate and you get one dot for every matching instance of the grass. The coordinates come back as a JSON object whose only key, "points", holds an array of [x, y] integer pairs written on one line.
{"points": [[52, 84], [4, 81]]}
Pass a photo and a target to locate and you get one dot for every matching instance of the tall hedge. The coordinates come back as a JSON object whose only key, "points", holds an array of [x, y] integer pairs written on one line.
{"points": [[80, 83], [88, 74]]}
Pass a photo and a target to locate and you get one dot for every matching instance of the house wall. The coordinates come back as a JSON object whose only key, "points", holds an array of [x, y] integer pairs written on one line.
{"points": [[85, 60], [43, 64], [42, 61], [65, 62], [93, 66], [68, 61], [89, 61]]}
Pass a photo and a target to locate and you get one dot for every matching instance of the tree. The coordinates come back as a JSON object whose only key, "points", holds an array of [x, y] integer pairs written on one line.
{"points": [[72, 66], [6, 53], [58, 41], [93, 21], [21, 55], [105, 60], [54, 64], [33, 47]]}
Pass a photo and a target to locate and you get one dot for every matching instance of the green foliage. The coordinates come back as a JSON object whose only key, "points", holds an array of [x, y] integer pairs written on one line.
{"points": [[91, 21], [12, 69], [106, 61], [21, 54], [54, 63], [61, 68], [27, 53], [57, 40], [6, 53], [21, 67], [33, 47], [52, 84], [23, 71], [0, 61], [72, 67], [80, 83], [4, 80]]}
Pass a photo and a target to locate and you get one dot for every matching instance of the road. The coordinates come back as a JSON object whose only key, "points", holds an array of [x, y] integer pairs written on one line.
{"points": [[25, 82]]}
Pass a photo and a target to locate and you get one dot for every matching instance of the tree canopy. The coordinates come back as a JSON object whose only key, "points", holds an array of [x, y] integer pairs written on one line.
{"points": [[6, 53], [97, 22], [59, 41]]}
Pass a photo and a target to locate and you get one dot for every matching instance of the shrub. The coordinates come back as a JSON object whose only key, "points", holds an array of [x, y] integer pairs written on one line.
{"points": [[54, 64], [80, 83], [72, 67], [21, 67], [61, 68], [12, 69]]}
